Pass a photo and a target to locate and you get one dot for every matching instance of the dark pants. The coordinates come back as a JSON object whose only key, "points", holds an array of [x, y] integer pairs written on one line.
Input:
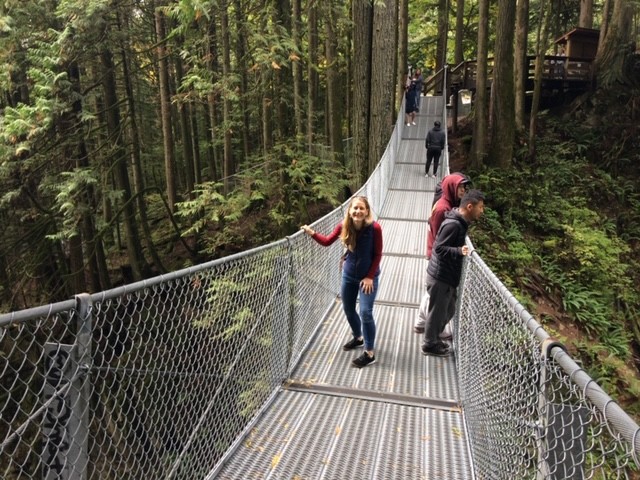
{"points": [[433, 154], [441, 309]]}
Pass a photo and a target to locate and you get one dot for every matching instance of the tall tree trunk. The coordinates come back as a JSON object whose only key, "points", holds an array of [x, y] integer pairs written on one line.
{"points": [[382, 96], [136, 158], [212, 104], [457, 60], [503, 122], [586, 14], [228, 165], [134, 248], [241, 59], [195, 144], [267, 112], [312, 72], [71, 277], [296, 65], [458, 52], [348, 53], [165, 112], [267, 94], [604, 23], [479, 140], [283, 81], [362, 31], [443, 28], [521, 70], [93, 246], [75, 281], [185, 132], [546, 12], [616, 46], [403, 56], [334, 98]]}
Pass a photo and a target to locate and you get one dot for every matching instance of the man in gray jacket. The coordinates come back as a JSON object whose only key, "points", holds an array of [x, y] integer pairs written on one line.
{"points": [[445, 268], [434, 143]]}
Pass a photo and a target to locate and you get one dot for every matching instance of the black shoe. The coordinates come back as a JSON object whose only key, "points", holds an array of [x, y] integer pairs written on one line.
{"points": [[353, 343], [437, 350], [364, 360]]}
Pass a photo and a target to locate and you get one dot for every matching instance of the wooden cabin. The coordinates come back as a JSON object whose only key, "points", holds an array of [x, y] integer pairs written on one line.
{"points": [[580, 43]]}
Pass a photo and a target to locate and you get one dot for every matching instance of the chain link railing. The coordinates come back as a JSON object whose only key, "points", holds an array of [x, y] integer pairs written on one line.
{"points": [[531, 411], [158, 379]]}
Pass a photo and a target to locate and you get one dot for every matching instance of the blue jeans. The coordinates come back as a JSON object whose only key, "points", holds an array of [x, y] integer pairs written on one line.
{"points": [[362, 325]]}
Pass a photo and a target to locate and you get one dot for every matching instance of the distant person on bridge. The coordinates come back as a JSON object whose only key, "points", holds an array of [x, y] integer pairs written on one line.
{"points": [[362, 237], [434, 143], [452, 189], [445, 269], [411, 99], [419, 86]]}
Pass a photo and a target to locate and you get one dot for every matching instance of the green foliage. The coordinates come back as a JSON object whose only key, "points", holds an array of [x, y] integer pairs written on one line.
{"points": [[593, 254], [279, 187], [567, 224], [69, 190]]}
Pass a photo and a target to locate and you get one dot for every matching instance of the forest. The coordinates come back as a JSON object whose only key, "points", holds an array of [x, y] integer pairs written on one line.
{"points": [[139, 137]]}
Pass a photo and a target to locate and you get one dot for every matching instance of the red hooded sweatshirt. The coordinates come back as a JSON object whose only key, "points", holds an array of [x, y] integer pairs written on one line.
{"points": [[447, 202]]}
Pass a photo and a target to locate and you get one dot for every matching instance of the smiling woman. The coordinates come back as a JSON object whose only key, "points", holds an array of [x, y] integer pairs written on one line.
{"points": [[362, 237]]}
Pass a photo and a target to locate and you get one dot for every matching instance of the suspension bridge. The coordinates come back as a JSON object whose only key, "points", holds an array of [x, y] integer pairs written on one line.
{"points": [[233, 369]]}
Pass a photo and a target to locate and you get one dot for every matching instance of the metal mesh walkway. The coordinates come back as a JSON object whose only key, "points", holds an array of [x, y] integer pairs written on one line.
{"points": [[398, 418]]}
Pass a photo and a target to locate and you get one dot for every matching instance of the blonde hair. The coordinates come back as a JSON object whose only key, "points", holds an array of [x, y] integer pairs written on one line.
{"points": [[349, 232]]}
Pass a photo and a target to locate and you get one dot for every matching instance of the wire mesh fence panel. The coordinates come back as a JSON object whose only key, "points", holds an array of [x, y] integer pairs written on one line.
{"points": [[153, 382], [528, 416], [315, 282], [40, 410]]}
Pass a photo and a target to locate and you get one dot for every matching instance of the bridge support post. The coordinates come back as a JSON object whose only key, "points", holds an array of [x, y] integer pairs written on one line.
{"points": [[562, 435], [65, 393]]}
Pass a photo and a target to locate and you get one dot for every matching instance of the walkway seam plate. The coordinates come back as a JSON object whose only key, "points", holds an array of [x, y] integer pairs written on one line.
{"points": [[399, 399]]}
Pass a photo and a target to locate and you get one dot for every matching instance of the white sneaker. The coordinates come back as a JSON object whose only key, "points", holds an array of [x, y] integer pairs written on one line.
{"points": [[413, 123], [408, 124]]}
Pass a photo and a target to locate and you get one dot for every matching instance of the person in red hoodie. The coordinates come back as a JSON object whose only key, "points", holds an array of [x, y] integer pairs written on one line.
{"points": [[453, 188]]}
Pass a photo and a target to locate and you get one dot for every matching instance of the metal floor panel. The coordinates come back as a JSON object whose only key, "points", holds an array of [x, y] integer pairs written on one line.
{"points": [[408, 205], [410, 176], [403, 238], [402, 279], [313, 436], [396, 419], [400, 367], [410, 154]]}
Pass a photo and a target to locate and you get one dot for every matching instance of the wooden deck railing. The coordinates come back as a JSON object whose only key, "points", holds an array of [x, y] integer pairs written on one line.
{"points": [[572, 72]]}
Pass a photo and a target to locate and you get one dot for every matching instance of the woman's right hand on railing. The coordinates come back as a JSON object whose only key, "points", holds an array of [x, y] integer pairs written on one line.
{"points": [[308, 230]]}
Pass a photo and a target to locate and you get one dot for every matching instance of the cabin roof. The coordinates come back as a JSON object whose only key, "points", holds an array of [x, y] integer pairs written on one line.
{"points": [[579, 32]]}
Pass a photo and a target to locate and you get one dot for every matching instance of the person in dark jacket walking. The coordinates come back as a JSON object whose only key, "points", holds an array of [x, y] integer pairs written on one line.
{"points": [[434, 143], [362, 236], [445, 269]]}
